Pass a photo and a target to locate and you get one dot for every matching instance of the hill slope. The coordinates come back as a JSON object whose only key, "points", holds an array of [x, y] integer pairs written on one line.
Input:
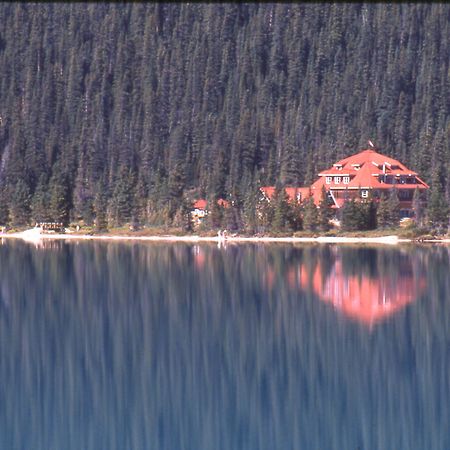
{"points": [[120, 109]]}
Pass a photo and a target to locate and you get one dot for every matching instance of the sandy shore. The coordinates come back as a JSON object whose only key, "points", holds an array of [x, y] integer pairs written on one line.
{"points": [[34, 235]]}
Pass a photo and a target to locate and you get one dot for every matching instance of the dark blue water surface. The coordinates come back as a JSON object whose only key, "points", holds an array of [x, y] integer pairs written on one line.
{"points": [[156, 346]]}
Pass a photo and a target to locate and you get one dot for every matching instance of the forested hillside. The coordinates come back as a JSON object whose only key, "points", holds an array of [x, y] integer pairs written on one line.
{"points": [[122, 112]]}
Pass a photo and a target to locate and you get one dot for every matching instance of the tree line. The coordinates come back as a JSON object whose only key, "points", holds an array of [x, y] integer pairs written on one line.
{"points": [[118, 113], [281, 214]]}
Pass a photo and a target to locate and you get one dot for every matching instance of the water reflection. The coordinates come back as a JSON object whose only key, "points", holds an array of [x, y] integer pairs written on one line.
{"points": [[370, 290], [136, 346]]}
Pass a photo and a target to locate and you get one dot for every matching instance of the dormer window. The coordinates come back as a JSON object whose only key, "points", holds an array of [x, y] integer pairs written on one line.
{"points": [[328, 180], [356, 166], [338, 166]]}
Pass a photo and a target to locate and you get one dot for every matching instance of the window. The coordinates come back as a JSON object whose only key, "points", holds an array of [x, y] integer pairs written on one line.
{"points": [[346, 180], [328, 180], [337, 180], [364, 194], [405, 194]]}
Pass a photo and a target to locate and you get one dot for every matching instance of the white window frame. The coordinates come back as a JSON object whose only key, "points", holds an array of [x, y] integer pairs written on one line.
{"points": [[346, 180], [337, 180], [364, 193], [328, 180]]}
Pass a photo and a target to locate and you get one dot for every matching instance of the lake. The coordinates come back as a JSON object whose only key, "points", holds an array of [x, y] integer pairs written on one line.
{"points": [[159, 346]]}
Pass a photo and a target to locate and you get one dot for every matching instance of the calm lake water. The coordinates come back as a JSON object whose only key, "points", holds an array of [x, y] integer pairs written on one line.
{"points": [[155, 346]]}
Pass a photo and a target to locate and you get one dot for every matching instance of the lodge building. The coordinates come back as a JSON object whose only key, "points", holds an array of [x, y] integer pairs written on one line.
{"points": [[360, 176]]}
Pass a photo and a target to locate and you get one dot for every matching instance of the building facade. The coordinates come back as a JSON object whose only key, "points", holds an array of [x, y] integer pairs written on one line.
{"points": [[365, 175]]}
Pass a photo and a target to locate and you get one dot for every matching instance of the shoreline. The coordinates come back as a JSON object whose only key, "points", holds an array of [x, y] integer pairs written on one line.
{"points": [[34, 235]]}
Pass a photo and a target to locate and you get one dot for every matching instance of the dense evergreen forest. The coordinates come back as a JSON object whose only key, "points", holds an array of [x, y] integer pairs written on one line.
{"points": [[126, 112]]}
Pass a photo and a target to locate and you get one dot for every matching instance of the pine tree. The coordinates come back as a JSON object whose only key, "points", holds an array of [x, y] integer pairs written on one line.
{"points": [[186, 208], [438, 210], [310, 215], [59, 204], [325, 212], [100, 206], [123, 196], [215, 214], [418, 207], [282, 91], [280, 209], [20, 204], [351, 217], [393, 205], [388, 212], [40, 202], [383, 220], [4, 206]]}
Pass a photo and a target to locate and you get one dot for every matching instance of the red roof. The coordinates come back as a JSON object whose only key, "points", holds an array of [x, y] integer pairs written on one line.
{"points": [[364, 169], [202, 203]]}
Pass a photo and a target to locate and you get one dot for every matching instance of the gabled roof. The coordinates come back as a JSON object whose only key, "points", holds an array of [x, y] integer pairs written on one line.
{"points": [[364, 169], [202, 203]]}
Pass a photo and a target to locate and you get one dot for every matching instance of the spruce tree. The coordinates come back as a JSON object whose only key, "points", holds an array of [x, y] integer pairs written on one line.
{"points": [[40, 202], [123, 196], [280, 209], [325, 212], [20, 204], [418, 207], [438, 210], [350, 216], [59, 203], [310, 215], [383, 219], [393, 205], [4, 207], [215, 214], [100, 207]]}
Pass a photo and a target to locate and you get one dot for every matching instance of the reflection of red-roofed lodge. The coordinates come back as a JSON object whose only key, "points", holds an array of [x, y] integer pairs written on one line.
{"points": [[355, 177], [199, 256], [361, 297]]}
